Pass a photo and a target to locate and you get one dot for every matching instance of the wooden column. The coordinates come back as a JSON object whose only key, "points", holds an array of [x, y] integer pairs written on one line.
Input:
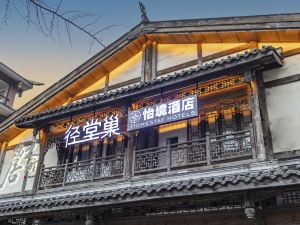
{"points": [[129, 155], [253, 44], [154, 61], [253, 212], [42, 137], [199, 54], [256, 115], [2, 154], [147, 61], [90, 218], [106, 82], [265, 116], [130, 151], [143, 62]]}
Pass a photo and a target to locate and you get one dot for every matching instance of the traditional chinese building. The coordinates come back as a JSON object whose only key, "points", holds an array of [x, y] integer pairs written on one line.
{"points": [[176, 122]]}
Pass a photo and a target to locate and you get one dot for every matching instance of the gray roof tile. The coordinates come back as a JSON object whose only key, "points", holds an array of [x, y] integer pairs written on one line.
{"points": [[102, 96], [210, 182]]}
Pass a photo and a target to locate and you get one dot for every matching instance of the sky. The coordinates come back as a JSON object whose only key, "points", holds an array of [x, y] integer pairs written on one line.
{"points": [[47, 59]]}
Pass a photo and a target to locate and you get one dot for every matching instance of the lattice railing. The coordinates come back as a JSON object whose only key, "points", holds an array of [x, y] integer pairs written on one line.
{"points": [[77, 172], [195, 153], [230, 146]]}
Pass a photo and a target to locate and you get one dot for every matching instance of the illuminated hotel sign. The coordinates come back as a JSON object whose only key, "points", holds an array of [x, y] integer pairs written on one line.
{"points": [[93, 130], [163, 113]]}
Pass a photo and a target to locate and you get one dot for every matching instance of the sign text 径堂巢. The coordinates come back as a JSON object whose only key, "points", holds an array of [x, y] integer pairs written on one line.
{"points": [[91, 131], [163, 113]]}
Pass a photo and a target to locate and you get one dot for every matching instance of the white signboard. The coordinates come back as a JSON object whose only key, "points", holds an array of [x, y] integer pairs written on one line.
{"points": [[93, 130], [163, 113]]}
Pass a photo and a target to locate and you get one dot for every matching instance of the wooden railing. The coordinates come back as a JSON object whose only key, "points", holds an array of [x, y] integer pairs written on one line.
{"points": [[196, 153], [77, 172]]}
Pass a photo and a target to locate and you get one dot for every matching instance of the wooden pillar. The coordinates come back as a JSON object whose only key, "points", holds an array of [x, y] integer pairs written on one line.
{"points": [[129, 155], [2, 154], [154, 61], [106, 82], [256, 115], [42, 137], [252, 211], [143, 62], [265, 117], [130, 151], [199, 54], [147, 61], [249, 206], [253, 44], [90, 218]]}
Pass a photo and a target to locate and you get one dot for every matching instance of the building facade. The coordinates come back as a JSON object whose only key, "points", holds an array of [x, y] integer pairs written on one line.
{"points": [[176, 122]]}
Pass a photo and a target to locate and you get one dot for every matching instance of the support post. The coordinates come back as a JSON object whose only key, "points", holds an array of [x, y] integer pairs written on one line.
{"points": [[265, 117], [90, 218], [147, 61], [2, 154], [93, 168], [106, 82], [249, 205], [199, 54], [143, 63], [169, 156], [256, 115], [65, 172], [154, 61], [253, 44], [208, 156], [129, 155], [253, 212], [41, 135]]}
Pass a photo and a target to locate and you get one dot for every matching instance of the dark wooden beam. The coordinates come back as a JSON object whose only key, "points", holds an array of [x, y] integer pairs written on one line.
{"points": [[154, 61], [106, 88], [199, 54], [281, 81], [123, 84], [177, 67], [106, 82], [291, 52], [3, 150], [265, 117], [226, 52], [42, 136], [203, 59]]}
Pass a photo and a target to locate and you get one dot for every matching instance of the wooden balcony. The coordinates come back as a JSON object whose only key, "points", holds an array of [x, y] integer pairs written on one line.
{"points": [[192, 154]]}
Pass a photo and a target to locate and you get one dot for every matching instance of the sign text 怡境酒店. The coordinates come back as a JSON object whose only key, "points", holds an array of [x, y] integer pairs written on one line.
{"points": [[163, 113]]}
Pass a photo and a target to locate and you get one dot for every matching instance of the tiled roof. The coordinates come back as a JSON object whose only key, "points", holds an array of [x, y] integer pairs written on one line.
{"points": [[184, 73], [154, 189]]}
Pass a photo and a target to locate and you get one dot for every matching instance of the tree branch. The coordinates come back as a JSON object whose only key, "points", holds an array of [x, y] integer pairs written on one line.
{"points": [[67, 20]]}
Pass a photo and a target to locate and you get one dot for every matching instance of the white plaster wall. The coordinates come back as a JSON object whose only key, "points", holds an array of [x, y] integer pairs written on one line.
{"points": [[284, 115], [291, 66], [15, 166], [177, 129], [9, 155], [51, 157], [129, 70], [173, 54]]}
